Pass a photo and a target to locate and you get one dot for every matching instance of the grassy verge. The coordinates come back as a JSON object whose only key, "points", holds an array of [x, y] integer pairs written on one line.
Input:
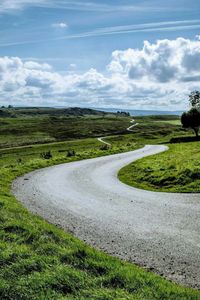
{"points": [[177, 170], [41, 261]]}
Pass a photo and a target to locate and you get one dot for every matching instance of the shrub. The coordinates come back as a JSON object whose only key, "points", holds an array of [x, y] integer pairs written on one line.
{"points": [[105, 147], [71, 153], [46, 155]]}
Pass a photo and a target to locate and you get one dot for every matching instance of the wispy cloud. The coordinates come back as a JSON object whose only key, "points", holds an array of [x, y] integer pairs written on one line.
{"points": [[10, 5], [135, 28], [147, 27], [61, 25], [102, 7]]}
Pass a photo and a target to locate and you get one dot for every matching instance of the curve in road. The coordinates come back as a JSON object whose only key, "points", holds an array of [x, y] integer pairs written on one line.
{"points": [[132, 126], [159, 231], [101, 139]]}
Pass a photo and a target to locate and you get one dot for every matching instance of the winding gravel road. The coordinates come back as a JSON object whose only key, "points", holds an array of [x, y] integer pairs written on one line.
{"points": [[158, 231]]}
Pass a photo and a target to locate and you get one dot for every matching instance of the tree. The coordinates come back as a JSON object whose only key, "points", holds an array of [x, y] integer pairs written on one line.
{"points": [[194, 99], [191, 119]]}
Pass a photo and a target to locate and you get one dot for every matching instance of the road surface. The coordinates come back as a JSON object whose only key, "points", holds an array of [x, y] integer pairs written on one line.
{"points": [[101, 139], [158, 231]]}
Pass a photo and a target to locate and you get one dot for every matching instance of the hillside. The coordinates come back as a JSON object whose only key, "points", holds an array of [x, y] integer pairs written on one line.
{"points": [[48, 111]]}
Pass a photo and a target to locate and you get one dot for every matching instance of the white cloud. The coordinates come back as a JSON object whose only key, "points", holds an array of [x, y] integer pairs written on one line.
{"points": [[164, 61], [159, 75], [32, 65], [73, 66], [9, 5], [60, 25]]}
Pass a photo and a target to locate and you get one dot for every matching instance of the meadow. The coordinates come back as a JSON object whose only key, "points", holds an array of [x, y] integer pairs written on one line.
{"points": [[177, 170], [41, 261], [22, 131]]}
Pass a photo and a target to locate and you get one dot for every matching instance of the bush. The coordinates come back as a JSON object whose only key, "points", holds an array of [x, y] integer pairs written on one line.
{"points": [[105, 147], [46, 155], [71, 153]]}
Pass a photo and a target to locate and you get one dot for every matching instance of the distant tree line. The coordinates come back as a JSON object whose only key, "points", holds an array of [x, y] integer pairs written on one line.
{"points": [[9, 106], [123, 113], [191, 118]]}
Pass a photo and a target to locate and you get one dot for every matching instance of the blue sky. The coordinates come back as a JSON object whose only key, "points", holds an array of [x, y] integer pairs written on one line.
{"points": [[73, 37]]}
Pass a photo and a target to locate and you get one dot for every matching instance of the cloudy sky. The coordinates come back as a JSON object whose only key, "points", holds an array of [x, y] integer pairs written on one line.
{"points": [[102, 53]]}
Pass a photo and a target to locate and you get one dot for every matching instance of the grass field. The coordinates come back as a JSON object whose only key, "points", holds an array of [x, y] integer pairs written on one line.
{"points": [[177, 170], [46, 129], [41, 261], [173, 122]]}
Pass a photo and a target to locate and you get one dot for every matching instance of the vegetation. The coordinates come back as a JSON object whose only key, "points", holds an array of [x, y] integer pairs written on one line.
{"points": [[46, 155], [41, 261], [191, 119], [48, 111], [177, 170], [40, 129], [166, 172]]}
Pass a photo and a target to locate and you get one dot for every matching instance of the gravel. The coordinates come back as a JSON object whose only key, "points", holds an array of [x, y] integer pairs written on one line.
{"points": [[158, 231]]}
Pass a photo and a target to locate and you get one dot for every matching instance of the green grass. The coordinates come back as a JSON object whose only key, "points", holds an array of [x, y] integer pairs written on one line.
{"points": [[40, 261], [173, 122], [177, 170], [44, 129]]}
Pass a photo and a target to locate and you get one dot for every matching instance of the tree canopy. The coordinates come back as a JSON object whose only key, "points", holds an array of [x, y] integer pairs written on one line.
{"points": [[191, 118]]}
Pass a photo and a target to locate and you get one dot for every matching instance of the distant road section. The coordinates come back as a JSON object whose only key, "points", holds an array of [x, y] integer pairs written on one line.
{"points": [[159, 231], [101, 139], [132, 126]]}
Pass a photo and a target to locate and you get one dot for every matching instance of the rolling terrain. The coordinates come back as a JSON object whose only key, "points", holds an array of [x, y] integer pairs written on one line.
{"points": [[40, 260], [147, 228]]}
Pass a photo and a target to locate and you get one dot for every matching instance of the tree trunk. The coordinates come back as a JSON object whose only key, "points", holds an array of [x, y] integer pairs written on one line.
{"points": [[196, 130]]}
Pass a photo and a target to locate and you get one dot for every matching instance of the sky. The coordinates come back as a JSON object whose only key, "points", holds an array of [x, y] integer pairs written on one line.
{"points": [[132, 54]]}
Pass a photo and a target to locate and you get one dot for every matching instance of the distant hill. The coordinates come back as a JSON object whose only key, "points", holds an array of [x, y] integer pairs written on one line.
{"points": [[78, 111], [42, 111], [142, 112]]}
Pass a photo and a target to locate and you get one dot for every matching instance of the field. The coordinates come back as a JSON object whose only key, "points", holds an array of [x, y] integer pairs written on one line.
{"points": [[177, 170], [47, 129], [39, 260], [173, 122]]}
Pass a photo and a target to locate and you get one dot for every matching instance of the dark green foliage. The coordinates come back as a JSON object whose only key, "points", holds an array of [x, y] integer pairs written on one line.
{"points": [[183, 139], [191, 119], [46, 155], [71, 153], [104, 147]]}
